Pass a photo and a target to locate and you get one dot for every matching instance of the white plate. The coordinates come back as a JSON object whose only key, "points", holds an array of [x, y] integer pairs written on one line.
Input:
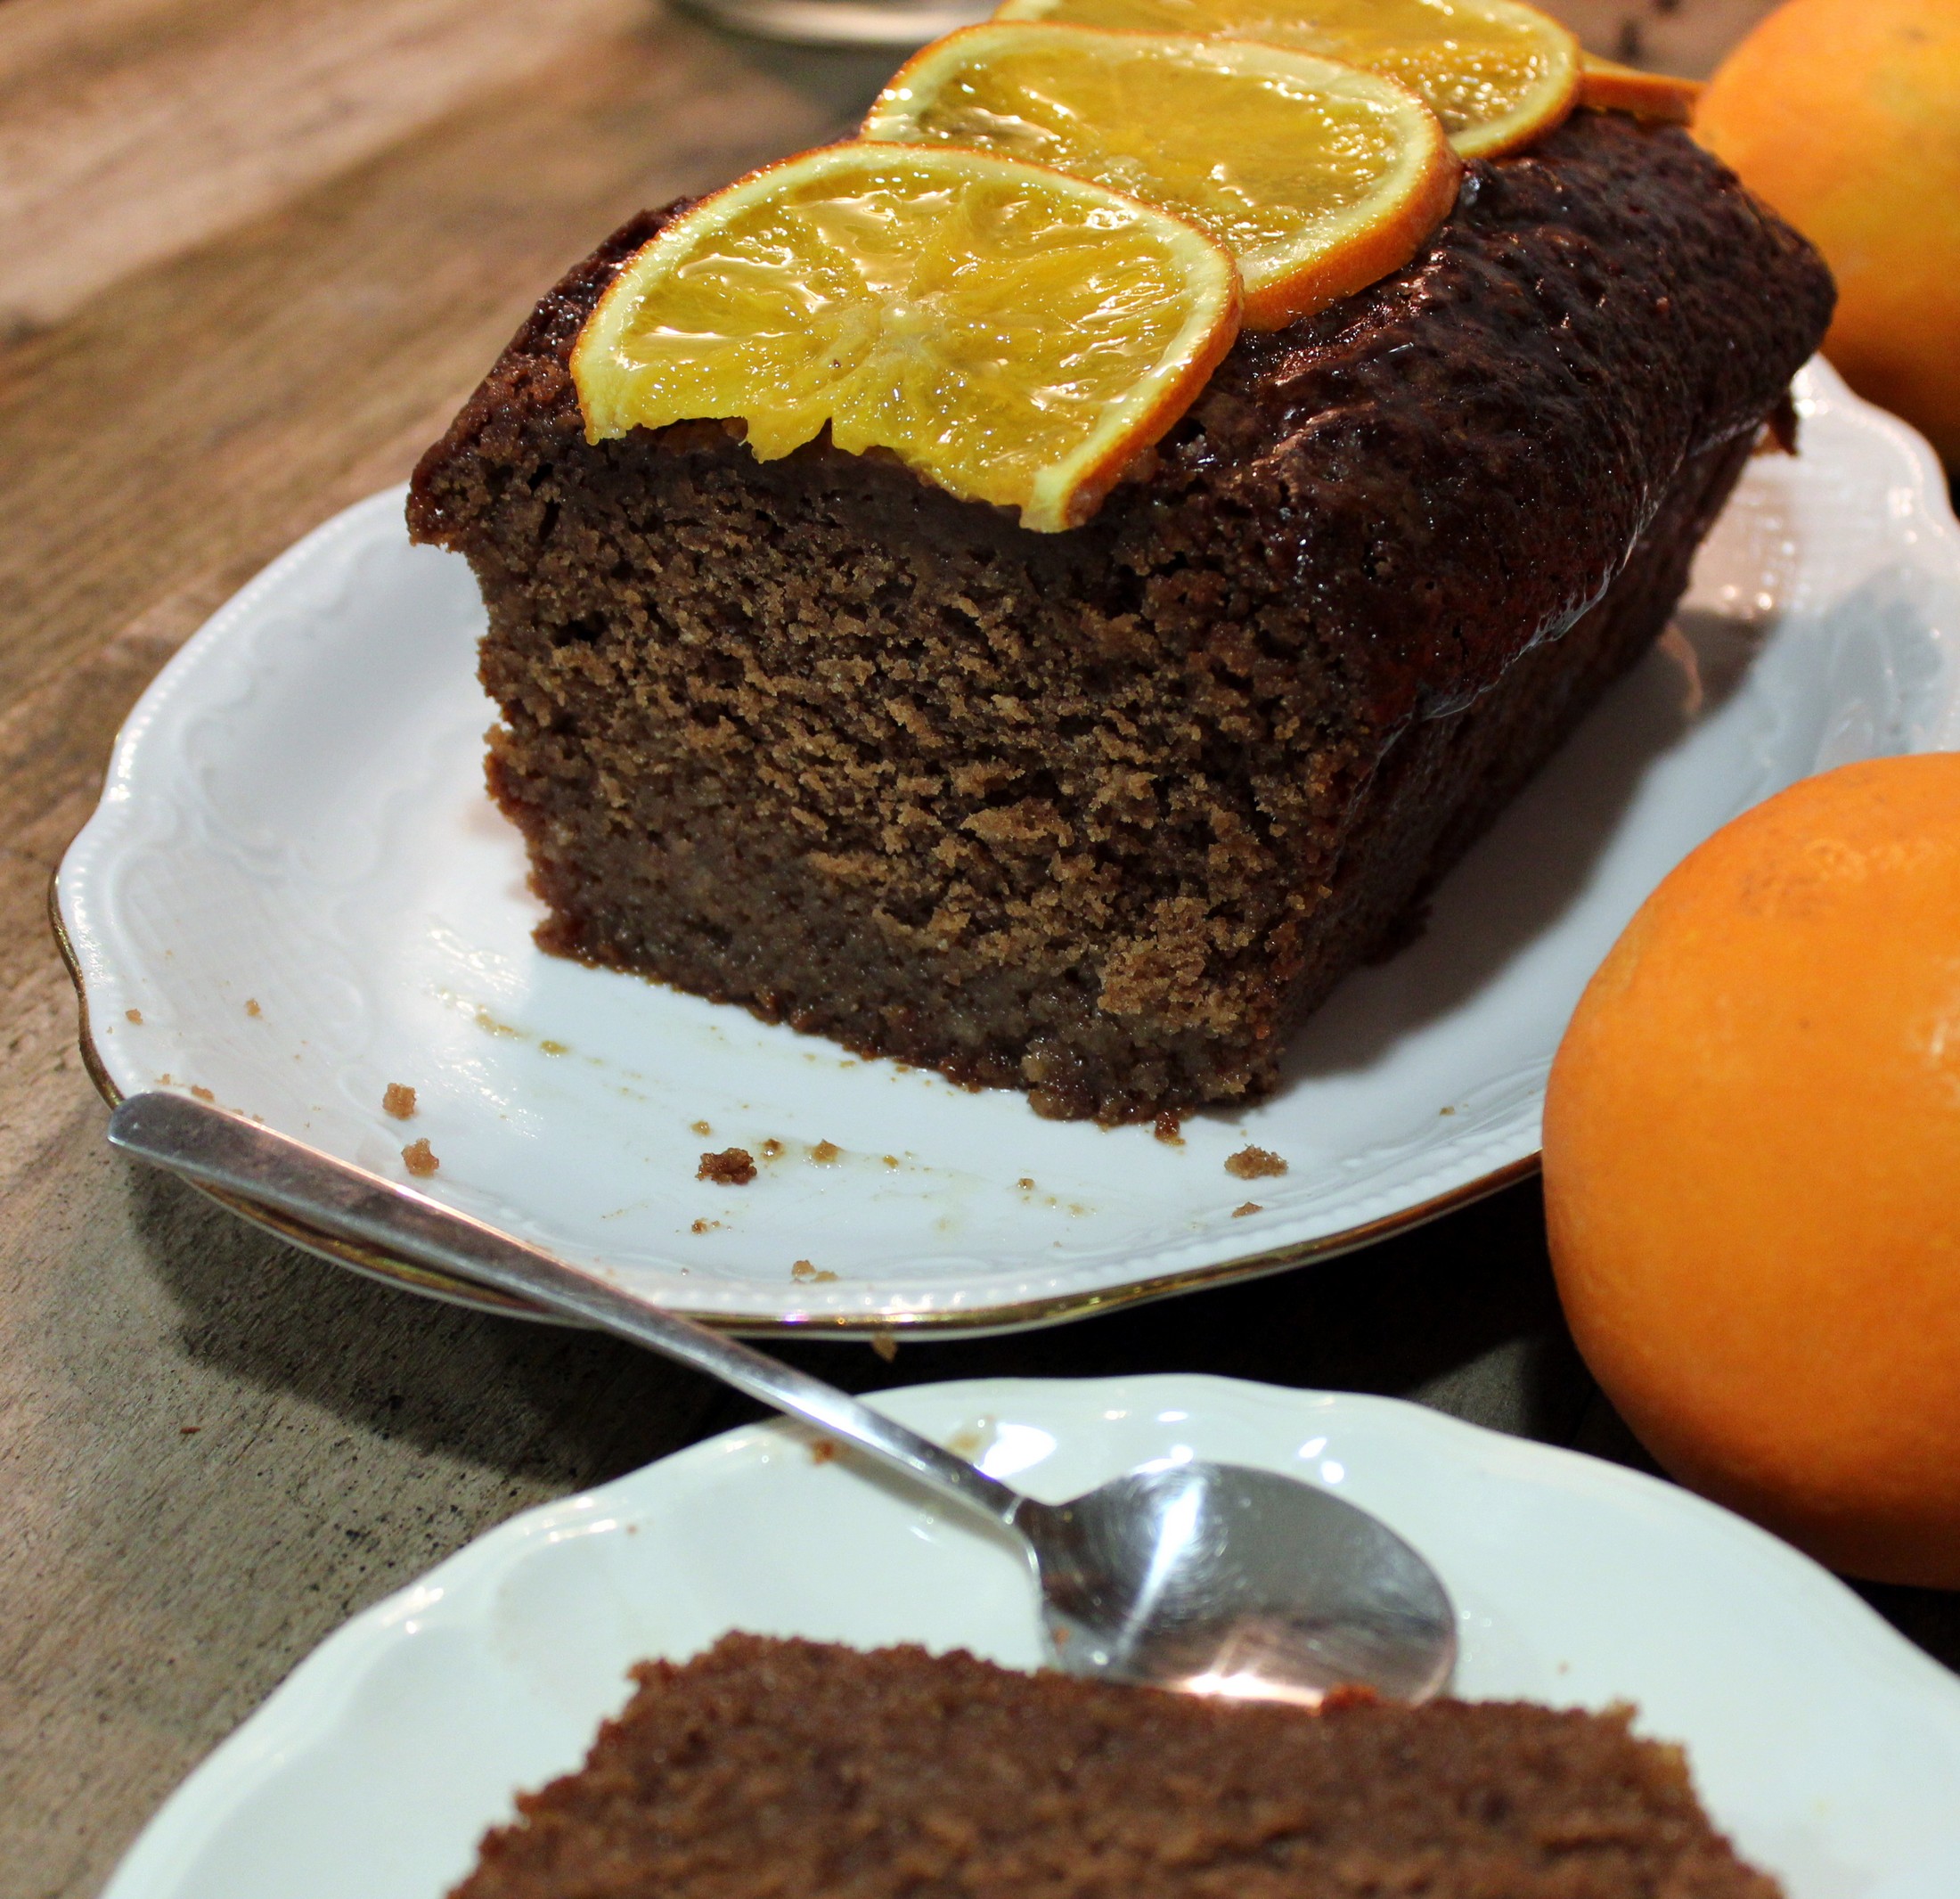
{"points": [[1823, 1744], [295, 820]]}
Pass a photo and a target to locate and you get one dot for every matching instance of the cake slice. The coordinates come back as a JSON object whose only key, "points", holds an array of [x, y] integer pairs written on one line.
{"points": [[797, 1770], [1103, 814]]}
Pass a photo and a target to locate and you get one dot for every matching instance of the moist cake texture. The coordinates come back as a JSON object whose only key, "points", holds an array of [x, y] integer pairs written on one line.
{"points": [[792, 1768], [1103, 814]]}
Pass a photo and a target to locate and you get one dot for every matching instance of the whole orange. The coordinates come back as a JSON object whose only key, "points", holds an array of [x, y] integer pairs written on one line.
{"points": [[1845, 116], [1752, 1168]]}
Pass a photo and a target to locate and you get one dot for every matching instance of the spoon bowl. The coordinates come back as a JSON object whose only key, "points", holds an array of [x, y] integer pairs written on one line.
{"points": [[1204, 1578], [1217, 1579]]}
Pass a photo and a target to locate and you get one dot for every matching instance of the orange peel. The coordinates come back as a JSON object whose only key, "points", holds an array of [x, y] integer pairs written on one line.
{"points": [[1605, 85]]}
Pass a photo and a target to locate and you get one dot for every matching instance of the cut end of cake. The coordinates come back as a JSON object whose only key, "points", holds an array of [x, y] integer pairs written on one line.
{"points": [[806, 1768]]}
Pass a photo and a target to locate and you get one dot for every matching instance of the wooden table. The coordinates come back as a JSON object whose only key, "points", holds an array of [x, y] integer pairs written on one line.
{"points": [[252, 254]]}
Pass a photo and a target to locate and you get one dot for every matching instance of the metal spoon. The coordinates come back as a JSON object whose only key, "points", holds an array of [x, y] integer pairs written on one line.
{"points": [[1210, 1578]]}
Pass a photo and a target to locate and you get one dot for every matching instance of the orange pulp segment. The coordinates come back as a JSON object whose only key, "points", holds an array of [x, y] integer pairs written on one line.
{"points": [[1014, 334], [1497, 73], [1317, 177], [1608, 86]]}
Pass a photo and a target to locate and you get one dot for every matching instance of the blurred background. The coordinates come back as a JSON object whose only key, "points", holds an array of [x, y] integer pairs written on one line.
{"points": [[134, 132]]}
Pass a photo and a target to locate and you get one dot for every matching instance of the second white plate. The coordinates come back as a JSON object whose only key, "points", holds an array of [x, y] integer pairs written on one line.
{"points": [[295, 892], [1826, 1746]]}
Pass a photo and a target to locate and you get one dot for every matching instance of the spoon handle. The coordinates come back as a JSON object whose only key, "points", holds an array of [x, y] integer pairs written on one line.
{"points": [[215, 1149]]}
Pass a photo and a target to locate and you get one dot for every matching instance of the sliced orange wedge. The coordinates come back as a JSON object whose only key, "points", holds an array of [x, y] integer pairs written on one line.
{"points": [[1317, 177], [1498, 74], [1608, 86], [1017, 335]]}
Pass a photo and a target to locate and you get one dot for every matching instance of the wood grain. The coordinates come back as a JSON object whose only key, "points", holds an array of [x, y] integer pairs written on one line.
{"points": [[253, 253], [144, 128]]}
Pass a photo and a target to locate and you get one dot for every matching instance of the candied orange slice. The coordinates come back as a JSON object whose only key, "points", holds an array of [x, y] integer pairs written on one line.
{"points": [[1317, 177], [1608, 86], [1014, 334], [1498, 74]]}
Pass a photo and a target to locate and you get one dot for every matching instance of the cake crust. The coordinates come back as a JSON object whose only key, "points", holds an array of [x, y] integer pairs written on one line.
{"points": [[793, 1768], [1103, 814]]}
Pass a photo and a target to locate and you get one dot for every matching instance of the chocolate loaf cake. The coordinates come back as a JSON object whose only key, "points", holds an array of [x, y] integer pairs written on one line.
{"points": [[1103, 814], [796, 1769]]}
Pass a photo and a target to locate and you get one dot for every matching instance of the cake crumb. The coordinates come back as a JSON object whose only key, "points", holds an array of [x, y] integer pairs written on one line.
{"points": [[1254, 1163], [549, 1047], [825, 1450], [701, 1128], [418, 1159], [806, 1275], [135, 1016], [1026, 1183], [1446, 1110], [398, 1100], [771, 1148], [825, 1152], [203, 1094], [891, 1160], [706, 1226], [884, 1346], [163, 1080], [733, 1167], [1169, 1128], [252, 1008], [1239, 1213]]}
